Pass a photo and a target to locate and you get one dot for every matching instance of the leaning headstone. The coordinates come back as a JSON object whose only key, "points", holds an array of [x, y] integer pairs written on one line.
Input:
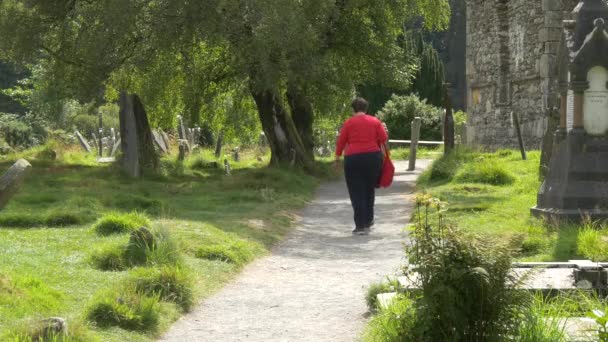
{"points": [[95, 141], [12, 179], [182, 150], [218, 146], [158, 141], [181, 130], [115, 148], [165, 138], [83, 142]]}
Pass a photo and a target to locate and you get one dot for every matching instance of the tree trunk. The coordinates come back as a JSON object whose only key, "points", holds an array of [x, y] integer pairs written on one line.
{"points": [[281, 131], [139, 156], [303, 117]]}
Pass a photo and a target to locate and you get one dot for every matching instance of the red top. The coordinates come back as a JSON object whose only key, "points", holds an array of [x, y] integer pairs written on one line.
{"points": [[361, 134]]}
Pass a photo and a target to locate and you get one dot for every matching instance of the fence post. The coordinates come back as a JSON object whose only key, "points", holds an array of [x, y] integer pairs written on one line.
{"points": [[414, 145]]}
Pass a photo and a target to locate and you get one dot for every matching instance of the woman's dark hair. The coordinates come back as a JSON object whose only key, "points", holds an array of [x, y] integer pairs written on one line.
{"points": [[360, 105]]}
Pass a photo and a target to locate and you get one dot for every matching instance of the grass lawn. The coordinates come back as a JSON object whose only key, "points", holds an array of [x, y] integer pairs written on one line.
{"points": [[47, 238], [492, 193]]}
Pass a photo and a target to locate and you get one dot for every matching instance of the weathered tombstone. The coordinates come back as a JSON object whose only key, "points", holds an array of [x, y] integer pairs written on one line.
{"points": [[235, 154], [227, 169], [11, 180], [182, 150], [83, 142], [576, 185], [416, 124], [95, 141], [218, 146], [115, 148], [138, 153], [158, 141], [165, 138], [181, 132]]}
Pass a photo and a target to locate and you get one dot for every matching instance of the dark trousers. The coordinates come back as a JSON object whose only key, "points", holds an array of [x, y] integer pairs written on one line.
{"points": [[362, 172]]}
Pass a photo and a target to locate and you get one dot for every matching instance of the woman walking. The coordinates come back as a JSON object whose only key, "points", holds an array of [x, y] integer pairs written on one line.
{"points": [[361, 139]]}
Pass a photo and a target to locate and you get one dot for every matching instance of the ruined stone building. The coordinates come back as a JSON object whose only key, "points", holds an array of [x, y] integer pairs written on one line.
{"points": [[511, 49]]}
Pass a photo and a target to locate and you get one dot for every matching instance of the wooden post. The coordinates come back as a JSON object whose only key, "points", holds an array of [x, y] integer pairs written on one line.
{"points": [[100, 140], [414, 144], [519, 137], [11, 180], [448, 126]]}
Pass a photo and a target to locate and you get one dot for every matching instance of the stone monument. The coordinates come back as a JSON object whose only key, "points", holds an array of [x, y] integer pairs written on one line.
{"points": [[576, 185]]}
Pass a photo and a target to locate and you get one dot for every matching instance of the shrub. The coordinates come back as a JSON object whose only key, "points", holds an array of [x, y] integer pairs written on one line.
{"points": [[486, 172], [125, 308], [17, 133], [467, 289], [116, 223], [399, 112], [170, 283], [237, 252]]}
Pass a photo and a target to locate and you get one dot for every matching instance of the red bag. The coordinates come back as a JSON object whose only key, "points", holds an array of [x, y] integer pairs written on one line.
{"points": [[388, 171]]}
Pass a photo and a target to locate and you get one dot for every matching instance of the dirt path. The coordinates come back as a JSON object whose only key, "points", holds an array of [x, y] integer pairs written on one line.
{"points": [[312, 287]]}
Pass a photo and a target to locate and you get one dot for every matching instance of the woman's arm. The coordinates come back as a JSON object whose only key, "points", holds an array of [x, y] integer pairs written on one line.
{"points": [[342, 140]]}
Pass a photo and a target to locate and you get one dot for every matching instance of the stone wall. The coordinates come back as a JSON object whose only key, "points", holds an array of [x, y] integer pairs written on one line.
{"points": [[511, 48]]}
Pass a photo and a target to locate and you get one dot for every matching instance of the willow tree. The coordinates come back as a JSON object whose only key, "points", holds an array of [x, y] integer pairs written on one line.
{"points": [[293, 56]]}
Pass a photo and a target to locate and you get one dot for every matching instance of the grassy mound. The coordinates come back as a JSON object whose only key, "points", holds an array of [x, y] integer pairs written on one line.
{"points": [[118, 223], [143, 248], [171, 283], [488, 171], [592, 242], [237, 252], [125, 308]]}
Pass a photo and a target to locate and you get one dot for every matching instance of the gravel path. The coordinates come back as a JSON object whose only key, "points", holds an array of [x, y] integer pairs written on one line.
{"points": [[312, 287]]}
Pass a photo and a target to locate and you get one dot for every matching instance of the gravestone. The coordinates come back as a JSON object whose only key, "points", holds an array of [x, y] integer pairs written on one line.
{"points": [[166, 140], [227, 170], [181, 131], [115, 148], [100, 142], [576, 185], [236, 155], [95, 141], [158, 141], [11, 180], [83, 142]]}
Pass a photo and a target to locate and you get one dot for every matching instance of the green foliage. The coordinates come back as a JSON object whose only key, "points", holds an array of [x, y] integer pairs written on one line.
{"points": [[110, 257], [445, 168], [20, 295], [53, 218], [125, 308], [400, 111], [466, 281], [430, 78], [238, 252], [543, 321], [601, 319], [152, 248], [371, 297], [171, 283], [486, 171], [117, 223], [592, 241], [395, 323]]}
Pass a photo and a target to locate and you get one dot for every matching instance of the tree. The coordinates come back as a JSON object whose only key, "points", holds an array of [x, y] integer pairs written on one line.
{"points": [[291, 56]]}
